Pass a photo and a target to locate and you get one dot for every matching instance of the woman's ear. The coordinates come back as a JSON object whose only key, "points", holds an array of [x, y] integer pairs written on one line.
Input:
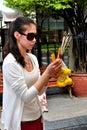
{"points": [[16, 35]]}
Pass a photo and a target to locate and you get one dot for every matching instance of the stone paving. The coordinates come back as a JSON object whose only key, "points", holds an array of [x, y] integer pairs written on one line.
{"points": [[65, 112], [62, 107]]}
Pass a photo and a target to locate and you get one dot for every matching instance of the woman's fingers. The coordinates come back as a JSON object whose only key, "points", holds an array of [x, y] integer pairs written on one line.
{"points": [[55, 66]]}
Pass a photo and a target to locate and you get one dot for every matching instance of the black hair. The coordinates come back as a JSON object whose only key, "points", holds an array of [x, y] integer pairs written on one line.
{"points": [[11, 45]]}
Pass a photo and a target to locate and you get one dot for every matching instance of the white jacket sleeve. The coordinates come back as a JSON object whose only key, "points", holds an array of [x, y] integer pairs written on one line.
{"points": [[14, 79]]}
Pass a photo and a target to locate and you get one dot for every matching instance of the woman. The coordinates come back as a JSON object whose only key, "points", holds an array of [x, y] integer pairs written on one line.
{"points": [[21, 78]]}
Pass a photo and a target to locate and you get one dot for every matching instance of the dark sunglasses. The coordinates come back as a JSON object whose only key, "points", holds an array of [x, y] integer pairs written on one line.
{"points": [[30, 36]]}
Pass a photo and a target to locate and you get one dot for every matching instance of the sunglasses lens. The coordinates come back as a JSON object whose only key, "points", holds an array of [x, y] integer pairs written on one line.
{"points": [[31, 36]]}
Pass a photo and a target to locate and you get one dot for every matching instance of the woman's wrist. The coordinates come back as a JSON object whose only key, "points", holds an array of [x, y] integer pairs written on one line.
{"points": [[48, 75]]}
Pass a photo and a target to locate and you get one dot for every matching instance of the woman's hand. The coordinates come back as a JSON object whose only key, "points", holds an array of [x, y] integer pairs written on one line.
{"points": [[51, 69], [54, 67]]}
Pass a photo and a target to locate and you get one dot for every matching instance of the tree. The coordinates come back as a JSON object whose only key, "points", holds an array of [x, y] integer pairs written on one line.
{"points": [[74, 13]]}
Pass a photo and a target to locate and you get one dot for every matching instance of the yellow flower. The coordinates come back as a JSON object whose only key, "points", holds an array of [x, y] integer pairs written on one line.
{"points": [[61, 84], [67, 71], [68, 81]]}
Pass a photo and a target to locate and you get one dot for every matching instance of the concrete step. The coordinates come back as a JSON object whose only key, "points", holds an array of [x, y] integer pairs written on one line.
{"points": [[65, 113], [76, 123]]}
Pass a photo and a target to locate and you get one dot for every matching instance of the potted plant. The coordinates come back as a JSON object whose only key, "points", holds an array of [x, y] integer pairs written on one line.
{"points": [[79, 74], [79, 77]]}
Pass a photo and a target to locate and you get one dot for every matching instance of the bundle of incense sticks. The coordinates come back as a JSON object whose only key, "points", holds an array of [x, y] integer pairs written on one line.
{"points": [[65, 43]]}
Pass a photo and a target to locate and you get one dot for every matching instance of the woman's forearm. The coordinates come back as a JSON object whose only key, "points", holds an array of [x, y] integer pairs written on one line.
{"points": [[42, 81]]}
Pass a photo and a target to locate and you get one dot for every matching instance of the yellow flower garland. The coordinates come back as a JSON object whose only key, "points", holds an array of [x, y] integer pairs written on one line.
{"points": [[63, 78]]}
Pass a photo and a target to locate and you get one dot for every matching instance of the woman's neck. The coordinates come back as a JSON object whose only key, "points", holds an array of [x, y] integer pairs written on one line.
{"points": [[28, 63]]}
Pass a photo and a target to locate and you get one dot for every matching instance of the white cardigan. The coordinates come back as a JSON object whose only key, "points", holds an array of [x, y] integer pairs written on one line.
{"points": [[15, 92]]}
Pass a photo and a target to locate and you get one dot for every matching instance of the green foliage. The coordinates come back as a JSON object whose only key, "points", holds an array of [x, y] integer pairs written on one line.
{"points": [[71, 10], [31, 5], [27, 6]]}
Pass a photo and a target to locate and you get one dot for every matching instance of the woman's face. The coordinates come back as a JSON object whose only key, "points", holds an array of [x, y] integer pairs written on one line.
{"points": [[22, 41]]}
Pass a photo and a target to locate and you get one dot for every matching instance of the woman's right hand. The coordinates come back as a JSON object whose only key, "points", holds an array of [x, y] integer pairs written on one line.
{"points": [[54, 67]]}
